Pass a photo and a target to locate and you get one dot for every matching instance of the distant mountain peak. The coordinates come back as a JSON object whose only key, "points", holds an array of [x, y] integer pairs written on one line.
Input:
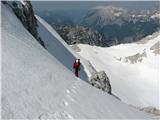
{"points": [[109, 8]]}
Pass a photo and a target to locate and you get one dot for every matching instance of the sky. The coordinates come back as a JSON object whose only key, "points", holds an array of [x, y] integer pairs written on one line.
{"points": [[81, 5]]}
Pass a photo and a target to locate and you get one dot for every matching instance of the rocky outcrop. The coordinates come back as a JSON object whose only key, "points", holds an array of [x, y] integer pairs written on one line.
{"points": [[80, 34], [101, 81], [136, 57], [25, 13], [151, 110], [156, 48], [119, 25], [104, 26]]}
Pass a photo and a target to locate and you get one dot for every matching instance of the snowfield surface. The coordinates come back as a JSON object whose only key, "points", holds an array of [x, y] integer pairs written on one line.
{"points": [[132, 69], [36, 85], [57, 47]]}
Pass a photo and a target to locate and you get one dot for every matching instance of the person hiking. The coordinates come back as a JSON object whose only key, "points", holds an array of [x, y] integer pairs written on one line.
{"points": [[76, 67]]}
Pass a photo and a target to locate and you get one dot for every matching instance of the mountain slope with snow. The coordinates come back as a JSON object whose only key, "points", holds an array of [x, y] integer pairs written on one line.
{"points": [[119, 25], [132, 69], [57, 47], [35, 85]]}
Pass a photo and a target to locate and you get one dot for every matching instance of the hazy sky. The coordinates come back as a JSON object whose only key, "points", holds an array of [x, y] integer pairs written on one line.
{"points": [[74, 5]]}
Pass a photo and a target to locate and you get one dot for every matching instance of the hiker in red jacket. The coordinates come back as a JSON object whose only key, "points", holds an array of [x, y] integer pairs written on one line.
{"points": [[76, 67]]}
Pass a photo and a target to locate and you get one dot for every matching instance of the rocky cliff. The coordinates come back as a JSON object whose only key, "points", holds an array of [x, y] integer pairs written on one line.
{"points": [[24, 11]]}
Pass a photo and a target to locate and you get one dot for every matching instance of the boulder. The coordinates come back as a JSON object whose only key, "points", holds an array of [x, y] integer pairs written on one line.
{"points": [[151, 110], [101, 81]]}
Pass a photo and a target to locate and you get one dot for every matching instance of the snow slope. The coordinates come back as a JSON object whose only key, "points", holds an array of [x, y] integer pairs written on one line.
{"points": [[132, 69], [57, 47], [35, 85]]}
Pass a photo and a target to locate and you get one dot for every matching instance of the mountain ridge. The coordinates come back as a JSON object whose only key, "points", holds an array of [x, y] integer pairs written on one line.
{"points": [[139, 61], [36, 85], [113, 25]]}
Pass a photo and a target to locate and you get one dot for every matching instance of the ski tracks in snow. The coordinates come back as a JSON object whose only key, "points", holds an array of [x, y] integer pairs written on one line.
{"points": [[66, 101]]}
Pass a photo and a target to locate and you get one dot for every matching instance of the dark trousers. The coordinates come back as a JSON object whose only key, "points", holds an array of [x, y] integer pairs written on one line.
{"points": [[76, 72]]}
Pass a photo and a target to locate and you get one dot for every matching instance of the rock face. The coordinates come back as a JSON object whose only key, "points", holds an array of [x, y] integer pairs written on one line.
{"points": [[119, 25], [101, 81], [156, 48], [136, 58], [79, 34], [105, 25], [151, 110], [25, 14]]}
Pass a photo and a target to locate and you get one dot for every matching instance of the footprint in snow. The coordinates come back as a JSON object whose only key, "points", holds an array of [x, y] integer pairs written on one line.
{"points": [[63, 115], [70, 98], [68, 91], [65, 103], [56, 116]]}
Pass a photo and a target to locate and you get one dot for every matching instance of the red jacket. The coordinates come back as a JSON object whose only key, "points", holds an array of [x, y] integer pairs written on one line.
{"points": [[76, 65]]}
